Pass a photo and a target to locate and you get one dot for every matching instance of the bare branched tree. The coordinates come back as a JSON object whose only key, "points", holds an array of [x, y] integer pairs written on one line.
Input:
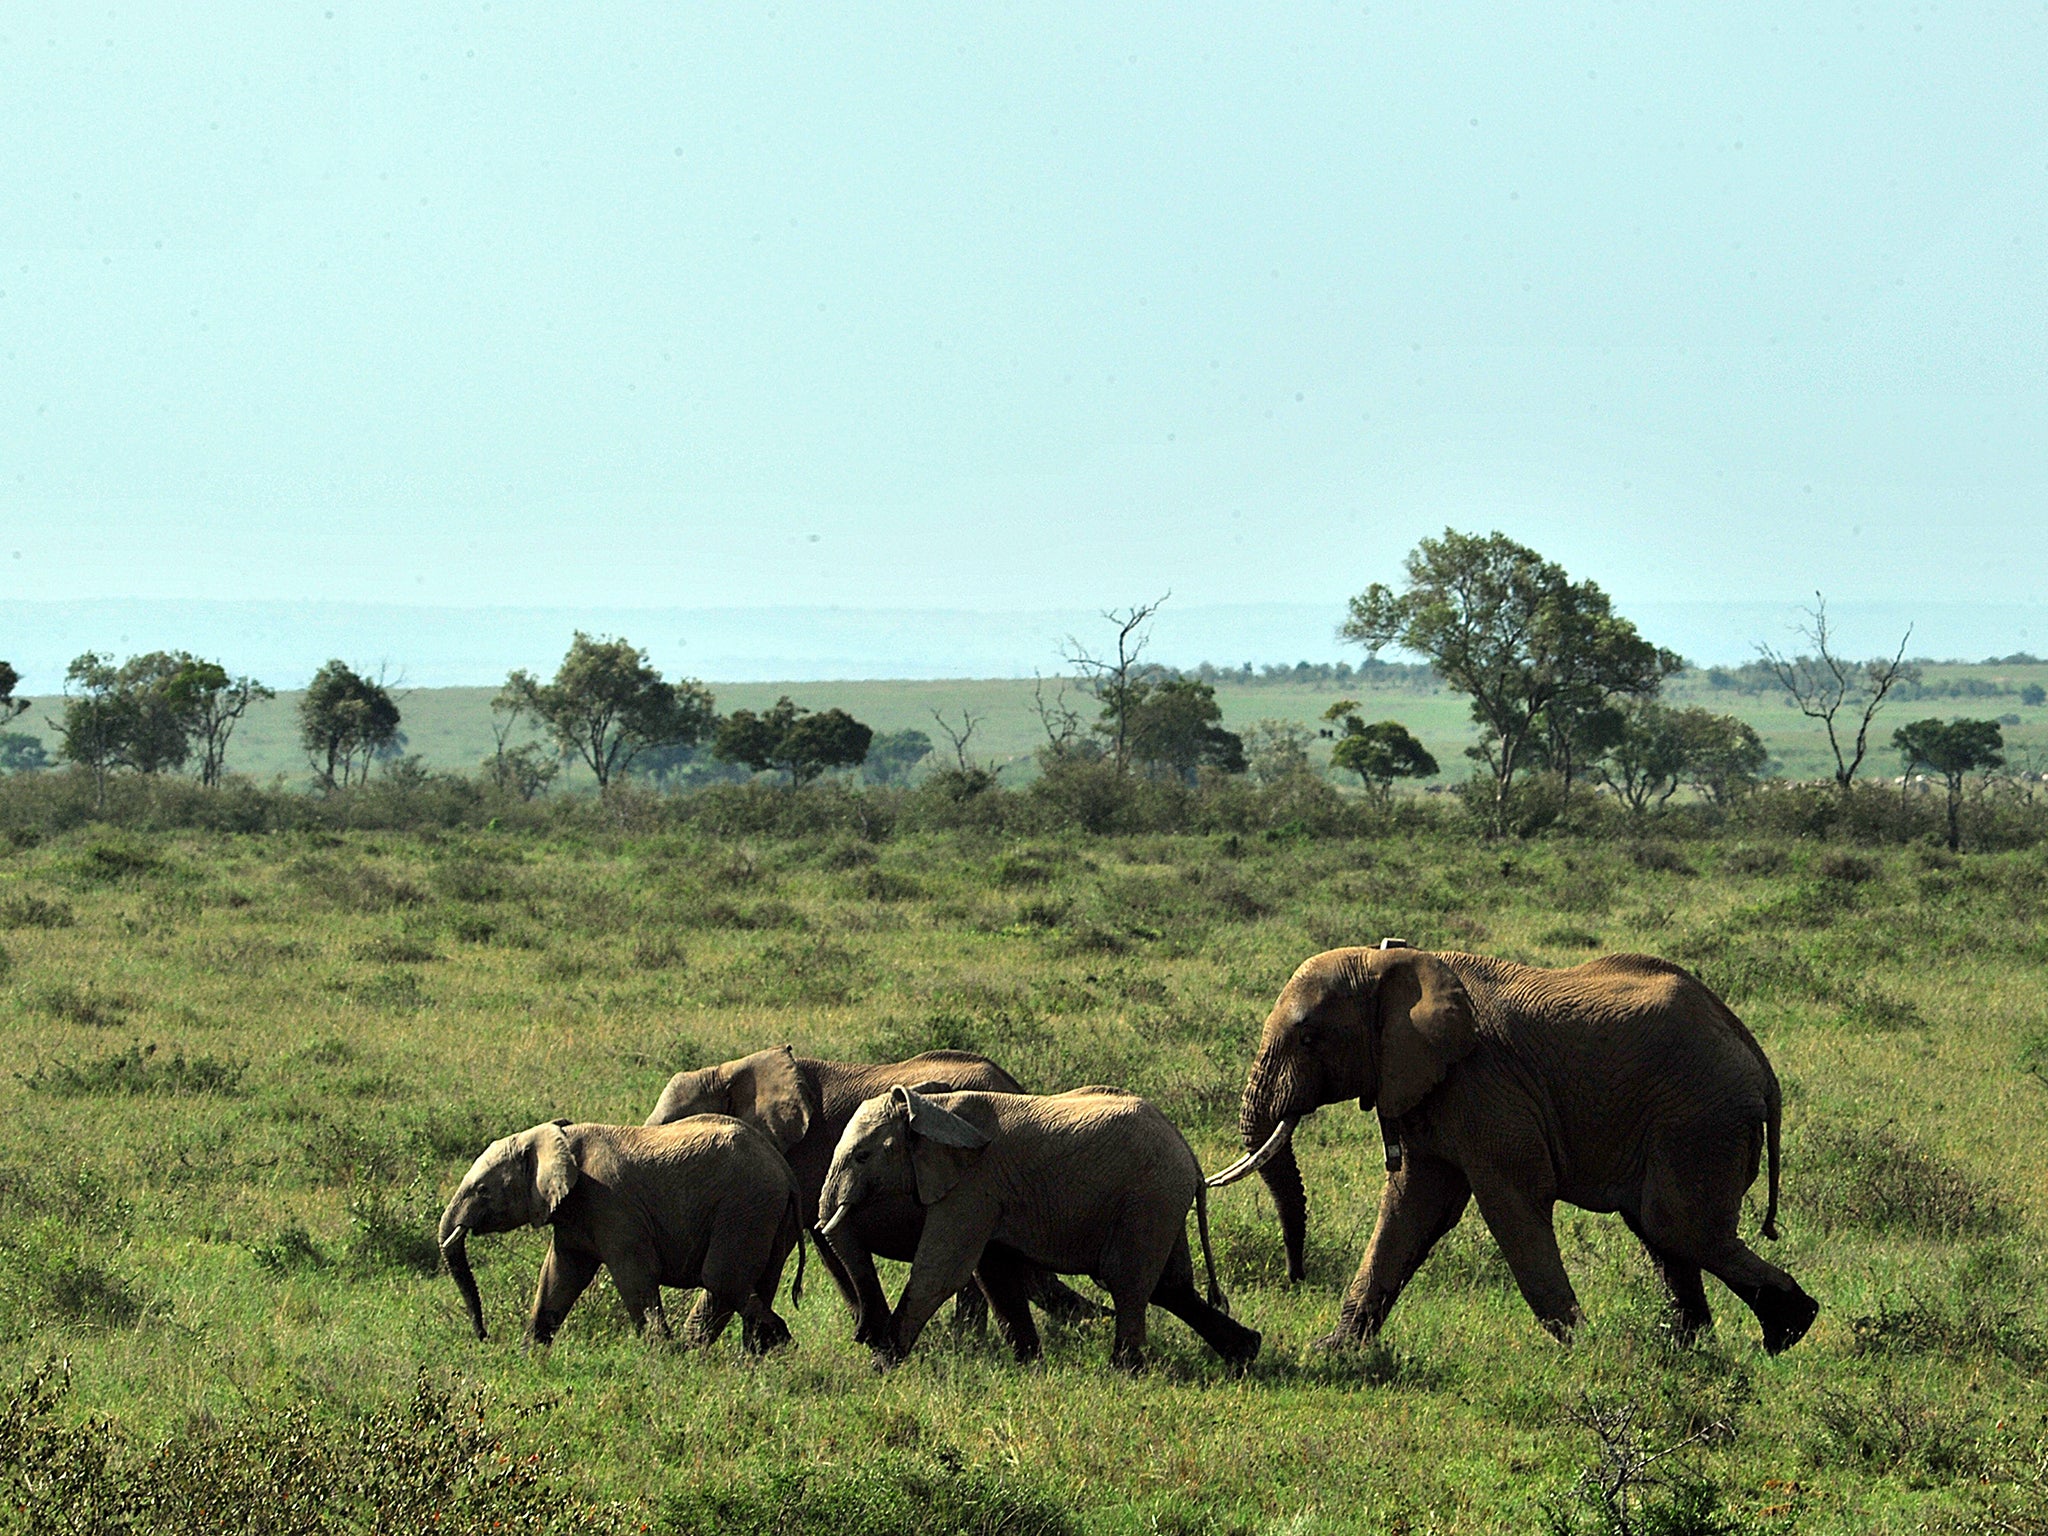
{"points": [[1823, 685], [959, 738], [1060, 720], [1116, 682]]}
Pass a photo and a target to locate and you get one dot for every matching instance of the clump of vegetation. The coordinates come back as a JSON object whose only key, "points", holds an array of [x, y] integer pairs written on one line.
{"points": [[433, 1463], [1978, 1324], [70, 1003], [57, 1274], [138, 1069], [1893, 1427], [25, 909], [1880, 1178], [908, 1494]]}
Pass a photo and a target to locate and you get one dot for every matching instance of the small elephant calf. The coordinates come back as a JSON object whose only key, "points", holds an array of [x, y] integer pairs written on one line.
{"points": [[1094, 1182], [707, 1202]]}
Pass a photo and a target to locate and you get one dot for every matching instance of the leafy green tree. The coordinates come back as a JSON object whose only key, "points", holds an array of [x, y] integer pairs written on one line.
{"points": [[1513, 632], [2033, 695], [346, 721], [607, 705], [1724, 756], [893, 757], [793, 739], [89, 731], [10, 706], [212, 704], [22, 753], [1953, 750], [1378, 753], [1120, 685], [1661, 748], [1646, 763], [1277, 750], [1170, 725]]}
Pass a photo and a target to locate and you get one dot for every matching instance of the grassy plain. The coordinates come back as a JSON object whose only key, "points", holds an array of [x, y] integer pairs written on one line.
{"points": [[240, 1074], [451, 727]]}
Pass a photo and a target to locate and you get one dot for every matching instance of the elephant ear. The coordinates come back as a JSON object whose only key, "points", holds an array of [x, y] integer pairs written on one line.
{"points": [[554, 1171], [943, 1145], [765, 1090], [1426, 1026]]}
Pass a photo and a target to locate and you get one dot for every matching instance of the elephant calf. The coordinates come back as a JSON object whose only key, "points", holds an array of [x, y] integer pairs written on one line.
{"points": [[1094, 1182], [803, 1105], [709, 1202]]}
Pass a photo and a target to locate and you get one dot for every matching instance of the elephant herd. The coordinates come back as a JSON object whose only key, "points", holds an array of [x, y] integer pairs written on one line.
{"points": [[1621, 1085]]}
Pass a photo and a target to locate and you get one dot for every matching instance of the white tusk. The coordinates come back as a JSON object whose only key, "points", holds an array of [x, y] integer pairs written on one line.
{"points": [[454, 1237], [833, 1223], [1252, 1162]]}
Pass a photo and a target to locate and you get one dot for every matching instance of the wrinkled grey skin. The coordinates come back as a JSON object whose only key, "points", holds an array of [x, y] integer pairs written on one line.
{"points": [[709, 1203], [803, 1104], [1619, 1085], [1094, 1182]]}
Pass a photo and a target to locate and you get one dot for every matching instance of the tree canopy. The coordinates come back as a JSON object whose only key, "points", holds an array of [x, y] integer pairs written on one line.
{"points": [[1172, 727], [1533, 649], [793, 739], [1378, 753], [1954, 750], [346, 722], [607, 705]]}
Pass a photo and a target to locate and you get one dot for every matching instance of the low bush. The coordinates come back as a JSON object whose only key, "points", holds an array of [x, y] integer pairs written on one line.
{"points": [[912, 1494], [1878, 1178], [136, 1070]]}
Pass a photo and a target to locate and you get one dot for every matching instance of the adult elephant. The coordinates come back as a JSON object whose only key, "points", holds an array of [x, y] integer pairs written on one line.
{"points": [[803, 1105], [1619, 1085]]}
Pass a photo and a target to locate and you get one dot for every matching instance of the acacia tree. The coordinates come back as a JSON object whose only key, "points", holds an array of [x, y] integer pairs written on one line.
{"points": [[793, 739], [1378, 753], [1515, 633], [214, 704], [346, 721], [1954, 750], [893, 757], [1823, 685], [607, 705]]}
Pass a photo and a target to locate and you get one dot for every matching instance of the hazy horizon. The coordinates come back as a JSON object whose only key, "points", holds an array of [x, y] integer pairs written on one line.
{"points": [[282, 643], [1042, 310]]}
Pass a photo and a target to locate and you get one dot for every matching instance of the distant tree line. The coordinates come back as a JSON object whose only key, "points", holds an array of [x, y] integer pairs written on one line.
{"points": [[1564, 692]]}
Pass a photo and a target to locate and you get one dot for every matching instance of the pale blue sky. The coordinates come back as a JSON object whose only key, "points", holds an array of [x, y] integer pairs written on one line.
{"points": [[1062, 305]]}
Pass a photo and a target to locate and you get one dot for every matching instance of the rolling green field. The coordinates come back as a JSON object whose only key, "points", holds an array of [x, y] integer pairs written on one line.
{"points": [[451, 727], [242, 1073]]}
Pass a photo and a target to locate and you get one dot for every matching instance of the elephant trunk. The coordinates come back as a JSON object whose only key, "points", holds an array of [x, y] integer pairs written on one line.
{"points": [[1257, 1120], [455, 1248]]}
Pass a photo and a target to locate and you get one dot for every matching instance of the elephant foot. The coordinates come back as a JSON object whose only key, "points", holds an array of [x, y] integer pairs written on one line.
{"points": [[1787, 1321], [1238, 1359], [770, 1333], [1340, 1341]]}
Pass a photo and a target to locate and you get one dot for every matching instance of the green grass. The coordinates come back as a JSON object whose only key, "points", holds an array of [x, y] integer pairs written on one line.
{"points": [[241, 1074], [451, 727]]}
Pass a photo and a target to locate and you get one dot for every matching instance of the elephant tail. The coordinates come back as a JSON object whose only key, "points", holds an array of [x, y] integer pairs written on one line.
{"points": [[1216, 1297], [1773, 1114], [796, 1219]]}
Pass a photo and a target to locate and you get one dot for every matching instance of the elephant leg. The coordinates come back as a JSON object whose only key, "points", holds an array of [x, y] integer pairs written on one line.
{"points": [[970, 1313], [707, 1320], [1691, 1316], [1007, 1282], [1139, 1255], [1521, 1224], [947, 1254], [564, 1275], [1689, 1213], [842, 1275], [641, 1293], [1422, 1201], [862, 1288], [1058, 1300]]}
